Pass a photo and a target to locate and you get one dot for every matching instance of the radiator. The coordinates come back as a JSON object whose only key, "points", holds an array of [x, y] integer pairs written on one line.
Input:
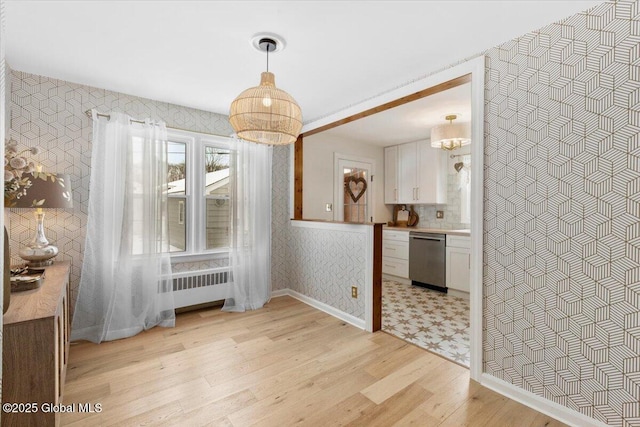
{"points": [[198, 287], [200, 280]]}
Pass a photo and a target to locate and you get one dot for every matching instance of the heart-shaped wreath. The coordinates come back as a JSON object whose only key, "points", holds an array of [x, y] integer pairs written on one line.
{"points": [[356, 185]]}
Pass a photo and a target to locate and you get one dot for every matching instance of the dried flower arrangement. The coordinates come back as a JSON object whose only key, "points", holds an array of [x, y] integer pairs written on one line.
{"points": [[19, 171], [15, 166]]}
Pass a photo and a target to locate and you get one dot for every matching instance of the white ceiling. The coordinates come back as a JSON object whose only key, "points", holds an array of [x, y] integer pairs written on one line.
{"points": [[198, 54], [409, 122]]}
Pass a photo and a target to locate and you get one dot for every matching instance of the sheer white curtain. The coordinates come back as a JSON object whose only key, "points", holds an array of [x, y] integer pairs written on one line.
{"points": [[125, 286], [250, 256]]}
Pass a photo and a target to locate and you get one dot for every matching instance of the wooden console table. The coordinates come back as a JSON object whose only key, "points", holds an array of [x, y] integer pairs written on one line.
{"points": [[35, 349]]}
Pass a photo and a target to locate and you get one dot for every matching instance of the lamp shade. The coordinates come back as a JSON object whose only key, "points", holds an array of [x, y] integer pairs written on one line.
{"points": [[46, 190], [266, 114], [451, 136]]}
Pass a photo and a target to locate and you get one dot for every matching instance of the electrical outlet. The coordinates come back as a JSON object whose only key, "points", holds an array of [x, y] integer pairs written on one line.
{"points": [[354, 292], [439, 214], [328, 207]]}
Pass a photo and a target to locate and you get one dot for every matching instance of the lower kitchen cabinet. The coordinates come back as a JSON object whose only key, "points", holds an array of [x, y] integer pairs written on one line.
{"points": [[458, 256], [395, 253]]}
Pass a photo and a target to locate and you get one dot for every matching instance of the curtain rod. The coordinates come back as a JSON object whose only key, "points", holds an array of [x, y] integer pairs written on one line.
{"points": [[108, 116]]}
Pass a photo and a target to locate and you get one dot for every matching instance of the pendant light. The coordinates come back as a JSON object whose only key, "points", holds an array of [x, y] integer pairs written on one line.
{"points": [[451, 136], [266, 114]]}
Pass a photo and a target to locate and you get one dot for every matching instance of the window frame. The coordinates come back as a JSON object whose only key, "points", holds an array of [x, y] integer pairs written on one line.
{"points": [[195, 198]]}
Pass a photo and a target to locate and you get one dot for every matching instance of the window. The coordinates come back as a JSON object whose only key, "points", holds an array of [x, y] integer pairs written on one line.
{"points": [[177, 185], [198, 191], [216, 193]]}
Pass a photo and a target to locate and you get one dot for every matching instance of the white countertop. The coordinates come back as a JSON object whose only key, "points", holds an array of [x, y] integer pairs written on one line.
{"points": [[462, 232]]}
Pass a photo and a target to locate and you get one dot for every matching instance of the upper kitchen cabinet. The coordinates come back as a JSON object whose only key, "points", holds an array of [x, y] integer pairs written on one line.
{"points": [[407, 173], [431, 182], [391, 175], [420, 176]]}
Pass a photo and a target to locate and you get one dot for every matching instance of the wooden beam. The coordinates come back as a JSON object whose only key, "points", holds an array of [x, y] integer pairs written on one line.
{"points": [[395, 103], [297, 196], [377, 277]]}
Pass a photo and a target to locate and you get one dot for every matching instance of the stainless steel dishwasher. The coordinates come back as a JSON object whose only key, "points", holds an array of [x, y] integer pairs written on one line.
{"points": [[427, 260]]}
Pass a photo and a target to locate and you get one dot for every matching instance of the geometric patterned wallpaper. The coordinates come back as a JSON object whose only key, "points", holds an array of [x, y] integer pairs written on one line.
{"points": [[324, 264], [50, 114], [562, 213], [280, 218]]}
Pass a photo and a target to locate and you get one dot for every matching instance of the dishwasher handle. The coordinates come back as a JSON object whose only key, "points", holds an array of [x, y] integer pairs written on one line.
{"points": [[439, 239]]}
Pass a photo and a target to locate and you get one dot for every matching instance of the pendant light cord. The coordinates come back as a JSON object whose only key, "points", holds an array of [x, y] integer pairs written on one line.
{"points": [[268, 49], [270, 44]]}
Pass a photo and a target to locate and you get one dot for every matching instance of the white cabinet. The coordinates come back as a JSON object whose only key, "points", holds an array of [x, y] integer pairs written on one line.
{"points": [[458, 256], [431, 184], [420, 174], [395, 253], [391, 175], [407, 173]]}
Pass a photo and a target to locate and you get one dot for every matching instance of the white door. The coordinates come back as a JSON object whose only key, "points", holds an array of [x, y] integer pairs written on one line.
{"points": [[353, 191]]}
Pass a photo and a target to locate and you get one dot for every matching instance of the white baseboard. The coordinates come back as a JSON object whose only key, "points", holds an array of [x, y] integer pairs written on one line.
{"points": [[540, 404], [279, 293], [339, 314]]}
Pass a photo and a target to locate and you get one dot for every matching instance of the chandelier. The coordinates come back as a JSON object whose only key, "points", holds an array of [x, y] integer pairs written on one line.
{"points": [[266, 114], [451, 136]]}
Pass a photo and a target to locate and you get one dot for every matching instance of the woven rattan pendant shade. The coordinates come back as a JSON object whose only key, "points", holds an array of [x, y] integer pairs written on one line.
{"points": [[266, 114]]}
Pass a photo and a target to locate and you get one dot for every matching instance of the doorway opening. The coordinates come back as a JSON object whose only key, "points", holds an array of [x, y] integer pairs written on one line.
{"points": [[469, 72]]}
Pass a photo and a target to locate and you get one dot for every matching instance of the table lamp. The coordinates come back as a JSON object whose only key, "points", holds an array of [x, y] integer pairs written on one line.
{"points": [[47, 191]]}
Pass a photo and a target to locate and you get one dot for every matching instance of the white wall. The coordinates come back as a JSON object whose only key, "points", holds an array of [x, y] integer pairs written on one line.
{"points": [[318, 175]]}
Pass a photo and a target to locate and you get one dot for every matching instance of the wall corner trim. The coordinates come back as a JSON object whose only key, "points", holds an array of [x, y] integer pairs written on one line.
{"points": [[540, 404], [339, 314]]}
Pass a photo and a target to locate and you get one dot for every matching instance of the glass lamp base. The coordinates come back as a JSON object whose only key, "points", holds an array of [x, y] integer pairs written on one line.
{"points": [[38, 257]]}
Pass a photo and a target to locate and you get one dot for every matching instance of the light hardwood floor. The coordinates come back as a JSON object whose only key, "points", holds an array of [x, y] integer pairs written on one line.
{"points": [[285, 364]]}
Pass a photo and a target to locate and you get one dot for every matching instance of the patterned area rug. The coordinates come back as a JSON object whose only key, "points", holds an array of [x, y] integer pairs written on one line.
{"points": [[433, 320]]}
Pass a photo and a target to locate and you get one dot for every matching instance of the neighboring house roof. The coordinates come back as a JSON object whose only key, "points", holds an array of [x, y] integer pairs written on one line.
{"points": [[213, 181]]}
